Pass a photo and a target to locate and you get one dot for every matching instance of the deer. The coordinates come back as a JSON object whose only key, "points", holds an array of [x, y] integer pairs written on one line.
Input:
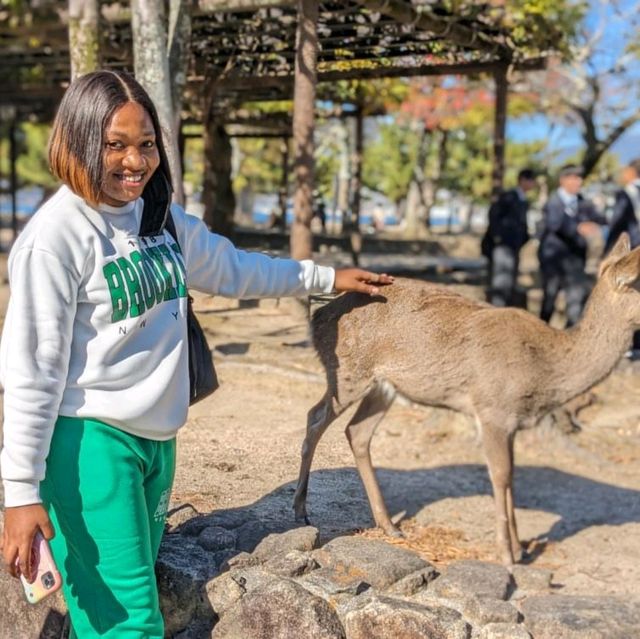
{"points": [[503, 367]]}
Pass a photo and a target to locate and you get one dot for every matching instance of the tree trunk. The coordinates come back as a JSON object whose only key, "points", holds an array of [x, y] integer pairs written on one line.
{"points": [[218, 197], [178, 53], [416, 206], [303, 122], [84, 38], [151, 66], [499, 131]]}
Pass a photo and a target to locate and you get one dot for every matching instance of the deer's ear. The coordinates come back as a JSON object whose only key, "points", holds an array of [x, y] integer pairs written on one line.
{"points": [[619, 250], [627, 270]]}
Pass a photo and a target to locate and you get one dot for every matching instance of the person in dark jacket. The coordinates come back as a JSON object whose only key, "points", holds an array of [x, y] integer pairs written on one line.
{"points": [[568, 220], [626, 209], [506, 234], [626, 212]]}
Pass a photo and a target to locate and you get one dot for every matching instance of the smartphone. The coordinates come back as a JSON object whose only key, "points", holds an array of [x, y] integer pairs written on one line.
{"points": [[48, 578]]}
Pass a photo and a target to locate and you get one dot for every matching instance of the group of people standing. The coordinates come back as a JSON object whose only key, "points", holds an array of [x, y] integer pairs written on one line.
{"points": [[569, 220]]}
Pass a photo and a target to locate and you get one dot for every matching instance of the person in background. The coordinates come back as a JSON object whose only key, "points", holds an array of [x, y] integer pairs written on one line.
{"points": [[568, 220], [94, 354], [505, 236], [626, 211]]}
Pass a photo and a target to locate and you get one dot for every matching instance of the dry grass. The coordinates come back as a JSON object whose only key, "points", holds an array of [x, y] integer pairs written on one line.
{"points": [[439, 546]]}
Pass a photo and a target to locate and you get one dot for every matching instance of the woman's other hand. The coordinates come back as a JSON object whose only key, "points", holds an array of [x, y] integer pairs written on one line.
{"points": [[20, 526], [355, 279]]}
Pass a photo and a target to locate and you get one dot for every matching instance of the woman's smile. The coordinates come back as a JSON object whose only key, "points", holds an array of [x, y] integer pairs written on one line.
{"points": [[130, 154]]}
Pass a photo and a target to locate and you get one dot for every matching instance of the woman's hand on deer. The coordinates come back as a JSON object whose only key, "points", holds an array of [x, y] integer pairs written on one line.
{"points": [[356, 279]]}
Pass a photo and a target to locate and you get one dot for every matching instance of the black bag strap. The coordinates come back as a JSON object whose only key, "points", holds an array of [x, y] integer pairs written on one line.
{"points": [[157, 206]]}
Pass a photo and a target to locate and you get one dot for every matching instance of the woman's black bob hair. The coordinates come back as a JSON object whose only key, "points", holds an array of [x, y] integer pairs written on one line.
{"points": [[76, 147]]}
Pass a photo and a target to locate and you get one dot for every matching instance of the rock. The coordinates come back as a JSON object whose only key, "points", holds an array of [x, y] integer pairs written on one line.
{"points": [[530, 579], [224, 591], [250, 534], [503, 631], [178, 515], [239, 560], [335, 589], [303, 539], [376, 562], [229, 519], [216, 538], [384, 617], [565, 617], [182, 570], [465, 578], [293, 564], [485, 611], [282, 610], [411, 584]]}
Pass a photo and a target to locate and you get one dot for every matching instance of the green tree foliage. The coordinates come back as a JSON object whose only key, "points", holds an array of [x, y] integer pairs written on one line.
{"points": [[389, 161]]}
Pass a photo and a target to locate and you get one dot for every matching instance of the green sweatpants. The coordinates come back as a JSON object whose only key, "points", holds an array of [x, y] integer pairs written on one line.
{"points": [[107, 494]]}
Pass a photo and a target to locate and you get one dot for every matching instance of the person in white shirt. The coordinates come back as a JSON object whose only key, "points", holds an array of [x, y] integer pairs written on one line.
{"points": [[568, 219], [94, 357]]}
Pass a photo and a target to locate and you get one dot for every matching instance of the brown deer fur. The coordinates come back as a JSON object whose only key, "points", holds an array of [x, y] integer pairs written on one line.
{"points": [[503, 367]]}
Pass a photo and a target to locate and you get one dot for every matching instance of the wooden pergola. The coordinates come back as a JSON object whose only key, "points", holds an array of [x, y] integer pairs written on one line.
{"points": [[243, 51]]}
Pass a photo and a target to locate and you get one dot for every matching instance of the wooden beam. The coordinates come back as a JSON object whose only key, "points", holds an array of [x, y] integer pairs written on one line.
{"points": [[405, 13], [232, 6], [469, 68]]}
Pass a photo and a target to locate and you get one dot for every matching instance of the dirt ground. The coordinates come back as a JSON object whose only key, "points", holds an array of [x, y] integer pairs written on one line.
{"points": [[577, 495]]}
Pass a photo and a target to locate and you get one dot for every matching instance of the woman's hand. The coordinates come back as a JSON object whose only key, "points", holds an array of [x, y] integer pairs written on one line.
{"points": [[20, 526], [355, 279]]}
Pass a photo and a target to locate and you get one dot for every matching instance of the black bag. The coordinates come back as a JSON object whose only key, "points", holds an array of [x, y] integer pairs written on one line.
{"points": [[156, 216]]}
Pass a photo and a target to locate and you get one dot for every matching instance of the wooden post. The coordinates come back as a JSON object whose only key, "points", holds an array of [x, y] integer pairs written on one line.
{"points": [[499, 131], [13, 184], [283, 194], [304, 96], [355, 238]]}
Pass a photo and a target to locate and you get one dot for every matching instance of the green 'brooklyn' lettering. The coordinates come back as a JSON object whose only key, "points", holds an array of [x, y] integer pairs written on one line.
{"points": [[117, 290], [170, 292], [178, 269], [145, 279], [156, 277], [136, 301]]}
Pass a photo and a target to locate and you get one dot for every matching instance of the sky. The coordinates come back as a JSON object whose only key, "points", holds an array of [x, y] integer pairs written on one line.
{"points": [[615, 22]]}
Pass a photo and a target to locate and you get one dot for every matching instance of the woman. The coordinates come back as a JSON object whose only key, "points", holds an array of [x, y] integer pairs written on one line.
{"points": [[94, 361]]}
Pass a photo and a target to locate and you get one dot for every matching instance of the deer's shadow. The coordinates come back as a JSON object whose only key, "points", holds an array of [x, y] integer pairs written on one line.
{"points": [[337, 503]]}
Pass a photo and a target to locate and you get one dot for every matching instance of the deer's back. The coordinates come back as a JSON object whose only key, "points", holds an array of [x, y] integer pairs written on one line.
{"points": [[434, 345]]}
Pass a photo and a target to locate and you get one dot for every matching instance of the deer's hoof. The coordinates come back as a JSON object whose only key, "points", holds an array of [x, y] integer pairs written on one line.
{"points": [[394, 532]]}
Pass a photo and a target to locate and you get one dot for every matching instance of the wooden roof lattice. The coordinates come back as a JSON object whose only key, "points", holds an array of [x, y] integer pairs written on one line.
{"points": [[248, 47]]}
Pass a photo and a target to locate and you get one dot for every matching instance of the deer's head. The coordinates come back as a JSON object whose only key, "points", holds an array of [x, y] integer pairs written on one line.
{"points": [[619, 279]]}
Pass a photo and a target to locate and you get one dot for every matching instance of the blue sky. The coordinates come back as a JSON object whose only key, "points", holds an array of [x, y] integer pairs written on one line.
{"points": [[566, 140]]}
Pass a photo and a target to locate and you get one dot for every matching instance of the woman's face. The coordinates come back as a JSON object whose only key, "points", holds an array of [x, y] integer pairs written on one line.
{"points": [[130, 155]]}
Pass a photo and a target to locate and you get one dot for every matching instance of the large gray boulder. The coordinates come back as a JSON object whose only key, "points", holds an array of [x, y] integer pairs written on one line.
{"points": [[478, 578], [280, 610], [565, 617], [376, 617], [372, 561]]}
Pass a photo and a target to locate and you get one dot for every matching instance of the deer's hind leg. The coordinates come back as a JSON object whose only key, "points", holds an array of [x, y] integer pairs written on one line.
{"points": [[359, 432], [498, 447], [318, 420]]}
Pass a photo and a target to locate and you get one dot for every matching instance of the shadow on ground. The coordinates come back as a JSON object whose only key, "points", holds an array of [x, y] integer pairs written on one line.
{"points": [[337, 503]]}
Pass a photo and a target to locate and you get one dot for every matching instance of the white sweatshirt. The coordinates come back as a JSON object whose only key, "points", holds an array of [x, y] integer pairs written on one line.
{"points": [[96, 323]]}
